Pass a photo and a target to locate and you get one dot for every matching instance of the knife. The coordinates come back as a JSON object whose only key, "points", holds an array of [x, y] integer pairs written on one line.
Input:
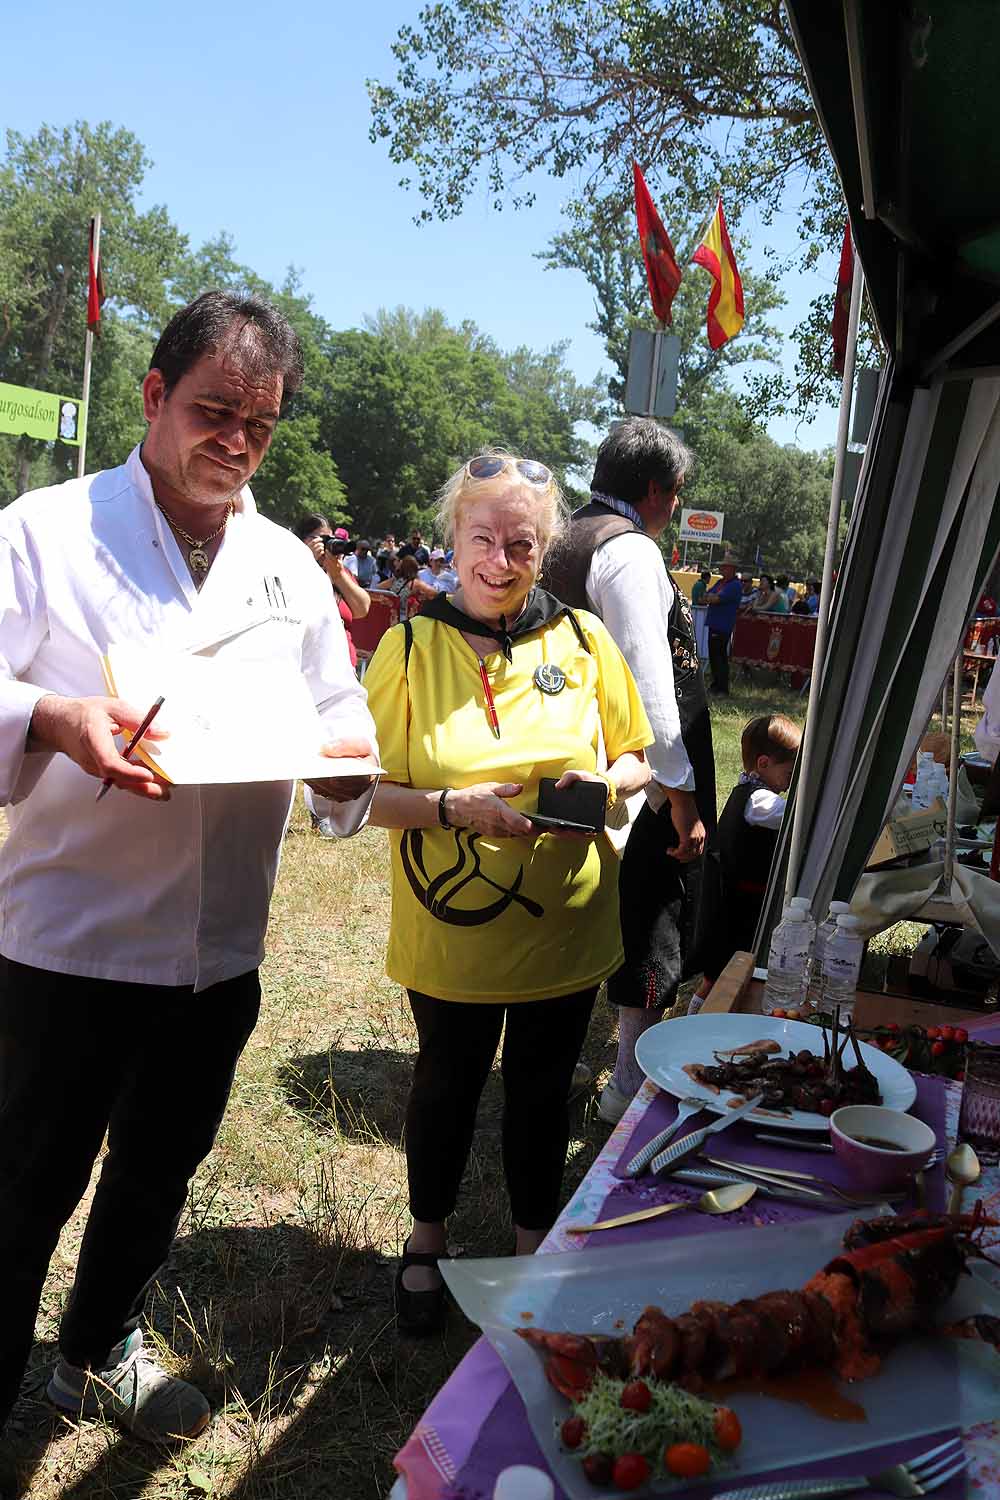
{"points": [[709, 1177], [688, 1144]]}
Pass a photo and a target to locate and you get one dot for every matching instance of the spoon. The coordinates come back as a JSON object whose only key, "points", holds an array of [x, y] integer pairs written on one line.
{"points": [[962, 1169], [720, 1200]]}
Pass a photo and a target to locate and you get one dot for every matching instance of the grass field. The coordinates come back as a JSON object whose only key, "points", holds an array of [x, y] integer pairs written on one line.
{"points": [[277, 1297]]}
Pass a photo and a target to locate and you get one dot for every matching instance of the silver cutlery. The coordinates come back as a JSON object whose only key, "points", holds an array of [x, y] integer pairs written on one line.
{"points": [[642, 1159], [918, 1476], [797, 1182], [786, 1172], [777, 1187], [790, 1144], [695, 1139]]}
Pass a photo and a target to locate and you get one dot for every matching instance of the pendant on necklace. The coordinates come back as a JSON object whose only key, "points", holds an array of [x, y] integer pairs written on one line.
{"points": [[198, 560]]}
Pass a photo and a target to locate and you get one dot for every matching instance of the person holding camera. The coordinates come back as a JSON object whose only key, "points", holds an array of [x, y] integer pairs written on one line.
{"points": [[330, 548], [495, 925]]}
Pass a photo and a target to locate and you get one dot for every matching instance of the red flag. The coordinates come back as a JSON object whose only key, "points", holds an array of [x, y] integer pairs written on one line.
{"points": [[842, 301], [95, 287], [725, 301], [675, 556], [662, 270]]}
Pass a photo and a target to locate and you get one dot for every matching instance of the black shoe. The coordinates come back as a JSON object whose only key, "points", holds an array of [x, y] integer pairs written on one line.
{"points": [[419, 1313]]}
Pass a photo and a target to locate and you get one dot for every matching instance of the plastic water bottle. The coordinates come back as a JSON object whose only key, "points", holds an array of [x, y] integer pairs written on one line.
{"points": [[815, 997], [923, 788], [802, 903], [787, 962], [524, 1482], [842, 965]]}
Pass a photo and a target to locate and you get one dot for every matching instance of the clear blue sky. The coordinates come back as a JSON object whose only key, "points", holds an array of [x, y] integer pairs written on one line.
{"points": [[256, 120]]}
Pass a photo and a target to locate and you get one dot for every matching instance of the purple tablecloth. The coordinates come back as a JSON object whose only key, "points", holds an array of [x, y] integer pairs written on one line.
{"points": [[476, 1425]]}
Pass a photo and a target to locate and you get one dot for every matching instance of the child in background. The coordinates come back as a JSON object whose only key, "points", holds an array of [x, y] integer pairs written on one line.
{"points": [[747, 837]]}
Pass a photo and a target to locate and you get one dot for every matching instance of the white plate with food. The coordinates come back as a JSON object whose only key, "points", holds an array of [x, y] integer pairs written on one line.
{"points": [[920, 1384], [673, 1053]]}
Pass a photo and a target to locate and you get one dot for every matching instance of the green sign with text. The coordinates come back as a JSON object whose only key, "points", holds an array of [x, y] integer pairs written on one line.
{"points": [[40, 415]]}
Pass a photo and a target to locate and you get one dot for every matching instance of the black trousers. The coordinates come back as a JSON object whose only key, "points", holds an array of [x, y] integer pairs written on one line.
{"points": [[718, 659], [656, 897], [458, 1042], [152, 1065]]}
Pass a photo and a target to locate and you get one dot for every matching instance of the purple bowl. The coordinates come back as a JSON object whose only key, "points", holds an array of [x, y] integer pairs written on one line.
{"points": [[875, 1168]]}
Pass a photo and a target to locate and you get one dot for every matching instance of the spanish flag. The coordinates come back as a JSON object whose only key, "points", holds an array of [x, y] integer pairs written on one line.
{"points": [[725, 301]]}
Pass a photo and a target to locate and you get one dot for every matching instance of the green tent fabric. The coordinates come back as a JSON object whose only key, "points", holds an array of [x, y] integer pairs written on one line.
{"points": [[905, 96]]}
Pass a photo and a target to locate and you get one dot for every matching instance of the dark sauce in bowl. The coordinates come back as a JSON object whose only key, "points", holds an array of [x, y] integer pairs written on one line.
{"points": [[877, 1142]]}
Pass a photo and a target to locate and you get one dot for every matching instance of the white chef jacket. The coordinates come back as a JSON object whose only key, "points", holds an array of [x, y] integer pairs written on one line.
{"points": [[172, 893], [628, 587]]}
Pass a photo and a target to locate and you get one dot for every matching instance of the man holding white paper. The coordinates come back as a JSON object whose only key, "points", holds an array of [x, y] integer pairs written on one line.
{"points": [[131, 931]]}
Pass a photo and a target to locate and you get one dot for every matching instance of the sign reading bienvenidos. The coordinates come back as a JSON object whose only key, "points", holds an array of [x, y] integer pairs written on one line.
{"points": [[39, 414], [697, 525]]}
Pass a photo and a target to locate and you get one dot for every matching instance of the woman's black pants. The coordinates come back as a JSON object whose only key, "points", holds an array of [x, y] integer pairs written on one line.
{"points": [[458, 1042]]}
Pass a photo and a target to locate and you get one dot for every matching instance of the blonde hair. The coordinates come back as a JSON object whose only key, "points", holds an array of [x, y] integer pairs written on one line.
{"points": [[551, 510], [773, 735]]}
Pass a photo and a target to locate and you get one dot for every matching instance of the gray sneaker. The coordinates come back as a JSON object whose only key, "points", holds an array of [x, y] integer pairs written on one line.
{"points": [[133, 1391]]}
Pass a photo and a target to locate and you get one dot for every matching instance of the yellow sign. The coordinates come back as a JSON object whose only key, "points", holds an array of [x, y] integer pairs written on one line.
{"points": [[39, 414]]}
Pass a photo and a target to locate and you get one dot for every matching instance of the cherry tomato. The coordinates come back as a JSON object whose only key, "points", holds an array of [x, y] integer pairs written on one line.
{"points": [[599, 1468], [573, 1431], [687, 1460], [630, 1471], [826, 1106], [961, 1035], [780, 1015], [893, 1027], [570, 1378], [937, 1048], [946, 1033], [932, 1033], [637, 1396], [728, 1432]]}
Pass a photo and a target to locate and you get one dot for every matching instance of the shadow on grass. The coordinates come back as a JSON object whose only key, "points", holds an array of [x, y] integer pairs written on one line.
{"points": [[361, 1093]]}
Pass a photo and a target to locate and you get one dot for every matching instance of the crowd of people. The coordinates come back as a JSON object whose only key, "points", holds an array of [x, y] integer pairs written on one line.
{"points": [[548, 648]]}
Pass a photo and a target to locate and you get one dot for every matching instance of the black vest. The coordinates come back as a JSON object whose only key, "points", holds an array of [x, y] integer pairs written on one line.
{"points": [[565, 575]]}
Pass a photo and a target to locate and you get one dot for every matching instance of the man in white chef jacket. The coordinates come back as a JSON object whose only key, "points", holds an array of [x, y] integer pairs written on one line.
{"points": [[131, 929]]}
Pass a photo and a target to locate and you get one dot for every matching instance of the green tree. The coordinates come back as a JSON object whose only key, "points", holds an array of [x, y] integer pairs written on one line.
{"points": [[775, 497], [708, 94], [408, 398], [50, 186]]}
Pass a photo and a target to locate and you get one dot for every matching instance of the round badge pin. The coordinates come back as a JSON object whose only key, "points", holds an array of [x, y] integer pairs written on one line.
{"points": [[549, 678]]}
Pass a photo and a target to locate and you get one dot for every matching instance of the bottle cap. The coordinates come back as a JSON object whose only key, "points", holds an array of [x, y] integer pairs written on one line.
{"points": [[801, 903], [795, 914], [524, 1482], [839, 908], [849, 923]]}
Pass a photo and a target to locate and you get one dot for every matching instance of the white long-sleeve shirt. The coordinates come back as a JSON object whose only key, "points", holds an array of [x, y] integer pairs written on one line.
{"points": [[987, 731], [628, 587], [172, 893]]}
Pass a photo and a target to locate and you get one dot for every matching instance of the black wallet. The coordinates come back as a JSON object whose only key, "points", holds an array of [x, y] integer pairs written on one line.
{"points": [[579, 807]]}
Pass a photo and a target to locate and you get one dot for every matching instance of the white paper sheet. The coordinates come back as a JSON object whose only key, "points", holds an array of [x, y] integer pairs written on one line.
{"points": [[229, 721]]}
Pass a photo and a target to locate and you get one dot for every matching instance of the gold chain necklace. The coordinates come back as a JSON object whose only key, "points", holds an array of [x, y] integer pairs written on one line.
{"points": [[198, 559]]}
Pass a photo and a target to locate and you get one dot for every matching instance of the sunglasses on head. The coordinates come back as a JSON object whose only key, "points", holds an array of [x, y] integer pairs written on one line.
{"points": [[488, 466]]}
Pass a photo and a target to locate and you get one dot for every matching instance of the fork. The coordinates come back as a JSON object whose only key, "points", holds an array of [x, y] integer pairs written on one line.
{"points": [[918, 1476], [795, 1177], [791, 1183], [685, 1109]]}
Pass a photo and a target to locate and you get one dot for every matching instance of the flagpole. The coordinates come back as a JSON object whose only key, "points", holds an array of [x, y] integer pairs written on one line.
{"points": [[654, 370], [88, 354], [826, 587]]}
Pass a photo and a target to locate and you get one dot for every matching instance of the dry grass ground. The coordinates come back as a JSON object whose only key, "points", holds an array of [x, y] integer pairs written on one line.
{"points": [[277, 1297]]}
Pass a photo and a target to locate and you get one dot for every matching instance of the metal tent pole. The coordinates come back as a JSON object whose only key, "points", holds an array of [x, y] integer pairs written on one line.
{"points": [[823, 614]]}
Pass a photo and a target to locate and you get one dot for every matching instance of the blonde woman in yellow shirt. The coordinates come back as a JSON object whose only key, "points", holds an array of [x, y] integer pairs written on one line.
{"points": [[483, 693]]}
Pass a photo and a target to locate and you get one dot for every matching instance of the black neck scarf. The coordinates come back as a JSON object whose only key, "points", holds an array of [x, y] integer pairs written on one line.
{"points": [[540, 609]]}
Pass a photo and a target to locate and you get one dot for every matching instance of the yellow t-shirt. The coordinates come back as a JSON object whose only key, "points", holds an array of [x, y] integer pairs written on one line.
{"points": [[487, 919]]}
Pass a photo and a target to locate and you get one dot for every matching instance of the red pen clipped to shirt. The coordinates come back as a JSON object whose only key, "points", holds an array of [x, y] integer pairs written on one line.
{"points": [[491, 708]]}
